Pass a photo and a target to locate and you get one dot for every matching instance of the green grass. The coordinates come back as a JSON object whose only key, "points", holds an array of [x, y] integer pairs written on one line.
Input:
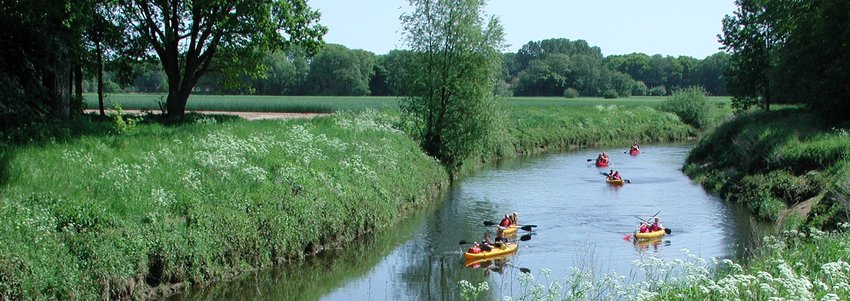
{"points": [[107, 216], [249, 103], [323, 104], [772, 160], [535, 129]]}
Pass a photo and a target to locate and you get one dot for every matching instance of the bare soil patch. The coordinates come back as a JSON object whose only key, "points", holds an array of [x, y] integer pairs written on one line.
{"points": [[244, 115]]}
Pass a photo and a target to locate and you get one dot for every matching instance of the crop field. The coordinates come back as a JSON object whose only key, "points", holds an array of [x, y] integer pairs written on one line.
{"points": [[328, 104]]}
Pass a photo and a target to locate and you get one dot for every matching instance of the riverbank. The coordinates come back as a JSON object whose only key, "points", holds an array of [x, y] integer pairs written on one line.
{"points": [[129, 216], [161, 208], [775, 161]]}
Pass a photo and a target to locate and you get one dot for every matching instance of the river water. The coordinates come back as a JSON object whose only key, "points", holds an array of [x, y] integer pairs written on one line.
{"points": [[581, 222]]}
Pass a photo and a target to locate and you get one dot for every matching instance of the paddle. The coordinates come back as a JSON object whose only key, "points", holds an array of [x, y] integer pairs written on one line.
{"points": [[666, 230], [624, 180], [525, 227]]}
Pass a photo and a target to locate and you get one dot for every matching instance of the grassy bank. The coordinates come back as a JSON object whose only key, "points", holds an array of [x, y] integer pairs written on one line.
{"points": [[791, 266], [536, 129], [112, 216], [772, 161]]}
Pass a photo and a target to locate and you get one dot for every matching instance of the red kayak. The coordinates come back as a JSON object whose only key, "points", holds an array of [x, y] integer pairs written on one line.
{"points": [[601, 163], [634, 151]]}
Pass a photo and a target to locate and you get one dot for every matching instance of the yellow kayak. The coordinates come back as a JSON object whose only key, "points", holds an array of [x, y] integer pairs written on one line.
{"points": [[616, 182], [506, 248], [511, 230], [650, 235], [483, 262]]}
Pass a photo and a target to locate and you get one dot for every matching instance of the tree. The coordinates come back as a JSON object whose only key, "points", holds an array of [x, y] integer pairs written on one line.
{"points": [[286, 72], [337, 70], [192, 38], [456, 65], [747, 35]]}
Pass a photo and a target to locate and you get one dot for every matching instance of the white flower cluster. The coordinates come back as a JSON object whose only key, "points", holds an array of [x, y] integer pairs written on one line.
{"points": [[368, 120]]}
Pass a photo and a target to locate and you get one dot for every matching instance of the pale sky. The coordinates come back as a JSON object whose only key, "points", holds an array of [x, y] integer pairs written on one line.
{"points": [[667, 27]]}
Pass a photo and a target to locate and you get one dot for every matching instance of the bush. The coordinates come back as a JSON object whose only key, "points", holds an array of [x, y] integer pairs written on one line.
{"points": [[571, 93], [658, 91], [610, 94], [639, 89], [690, 105]]}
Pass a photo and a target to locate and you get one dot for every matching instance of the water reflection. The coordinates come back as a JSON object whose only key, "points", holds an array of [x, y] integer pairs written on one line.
{"points": [[581, 223]]}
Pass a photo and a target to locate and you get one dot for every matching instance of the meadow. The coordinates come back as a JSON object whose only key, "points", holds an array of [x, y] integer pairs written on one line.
{"points": [[328, 104]]}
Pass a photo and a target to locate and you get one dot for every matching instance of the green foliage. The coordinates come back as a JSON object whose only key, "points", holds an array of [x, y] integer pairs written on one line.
{"points": [[610, 94], [571, 93], [452, 109], [658, 91], [639, 89], [337, 70], [196, 203], [230, 37], [691, 106], [756, 159], [123, 125], [538, 128]]}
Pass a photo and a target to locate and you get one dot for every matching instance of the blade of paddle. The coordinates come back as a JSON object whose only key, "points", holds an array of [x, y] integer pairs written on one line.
{"points": [[463, 242], [528, 227], [526, 237], [667, 230], [489, 223]]}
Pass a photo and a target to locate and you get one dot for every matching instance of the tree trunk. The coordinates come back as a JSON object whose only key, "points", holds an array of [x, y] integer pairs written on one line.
{"points": [[176, 102], [99, 77], [57, 83], [78, 81]]}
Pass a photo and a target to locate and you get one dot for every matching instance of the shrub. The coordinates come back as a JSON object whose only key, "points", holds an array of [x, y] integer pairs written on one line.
{"points": [[690, 105], [658, 91], [571, 93], [639, 88], [610, 94]]}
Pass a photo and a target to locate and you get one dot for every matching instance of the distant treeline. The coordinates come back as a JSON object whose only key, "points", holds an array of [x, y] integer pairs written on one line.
{"points": [[553, 67]]}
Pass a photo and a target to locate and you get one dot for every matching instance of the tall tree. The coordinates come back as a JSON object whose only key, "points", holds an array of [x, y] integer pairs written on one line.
{"points": [[457, 60], [189, 36], [749, 37], [337, 70]]}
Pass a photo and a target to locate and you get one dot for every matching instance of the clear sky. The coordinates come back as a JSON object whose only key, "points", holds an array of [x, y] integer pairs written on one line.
{"points": [[667, 27]]}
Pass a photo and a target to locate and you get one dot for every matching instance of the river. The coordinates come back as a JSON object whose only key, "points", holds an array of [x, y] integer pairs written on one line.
{"points": [[581, 222]]}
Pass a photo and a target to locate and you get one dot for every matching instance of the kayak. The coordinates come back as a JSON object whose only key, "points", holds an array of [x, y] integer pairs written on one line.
{"points": [[616, 182], [601, 163], [510, 230], [634, 152], [649, 235], [483, 262], [507, 248]]}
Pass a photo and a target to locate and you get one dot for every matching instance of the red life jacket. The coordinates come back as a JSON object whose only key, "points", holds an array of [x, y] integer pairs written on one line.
{"points": [[505, 223], [474, 250]]}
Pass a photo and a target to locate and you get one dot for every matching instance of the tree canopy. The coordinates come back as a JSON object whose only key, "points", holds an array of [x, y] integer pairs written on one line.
{"points": [[192, 38], [456, 63]]}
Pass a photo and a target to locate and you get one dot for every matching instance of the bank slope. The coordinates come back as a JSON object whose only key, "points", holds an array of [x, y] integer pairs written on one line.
{"points": [[120, 216]]}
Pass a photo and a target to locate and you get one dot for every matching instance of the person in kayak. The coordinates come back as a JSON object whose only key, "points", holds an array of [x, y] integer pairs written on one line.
{"points": [[500, 236], [486, 240], [474, 249], [635, 146], [644, 227], [514, 217], [656, 225], [506, 222], [616, 176]]}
